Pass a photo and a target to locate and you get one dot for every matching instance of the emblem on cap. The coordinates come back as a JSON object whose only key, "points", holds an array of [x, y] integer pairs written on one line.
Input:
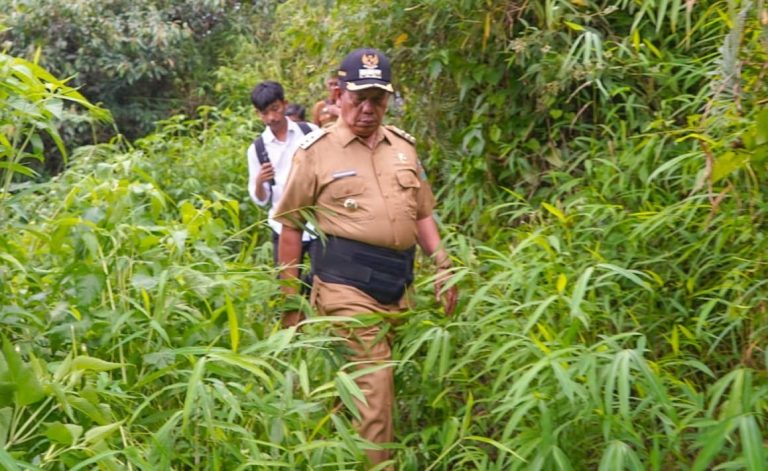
{"points": [[401, 157], [349, 203], [366, 68], [370, 61]]}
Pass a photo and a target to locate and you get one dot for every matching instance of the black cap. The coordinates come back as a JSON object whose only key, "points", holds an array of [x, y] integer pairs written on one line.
{"points": [[366, 68]]}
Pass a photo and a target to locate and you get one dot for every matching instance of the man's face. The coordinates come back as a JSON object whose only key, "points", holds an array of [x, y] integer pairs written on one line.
{"points": [[364, 110], [333, 86], [274, 115]]}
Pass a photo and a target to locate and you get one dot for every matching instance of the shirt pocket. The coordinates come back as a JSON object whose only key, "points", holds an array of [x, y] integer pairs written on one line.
{"points": [[348, 198], [408, 186]]}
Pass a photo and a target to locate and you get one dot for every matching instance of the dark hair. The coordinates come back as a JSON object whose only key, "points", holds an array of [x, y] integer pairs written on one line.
{"points": [[266, 93], [294, 109]]}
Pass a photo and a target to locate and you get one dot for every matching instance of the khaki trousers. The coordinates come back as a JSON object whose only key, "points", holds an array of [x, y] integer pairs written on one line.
{"points": [[367, 345]]}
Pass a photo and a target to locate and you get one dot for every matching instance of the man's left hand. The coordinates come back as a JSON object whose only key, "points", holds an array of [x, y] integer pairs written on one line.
{"points": [[450, 296]]}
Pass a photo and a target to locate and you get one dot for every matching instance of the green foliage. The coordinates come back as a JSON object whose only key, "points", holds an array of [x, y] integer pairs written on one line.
{"points": [[144, 336], [33, 103], [142, 60]]}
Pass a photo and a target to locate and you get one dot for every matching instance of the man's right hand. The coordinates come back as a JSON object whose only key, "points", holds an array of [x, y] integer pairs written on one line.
{"points": [[266, 173], [291, 318], [288, 252], [333, 109]]}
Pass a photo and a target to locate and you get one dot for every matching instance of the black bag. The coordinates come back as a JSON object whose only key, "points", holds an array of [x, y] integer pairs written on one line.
{"points": [[261, 150], [382, 273]]}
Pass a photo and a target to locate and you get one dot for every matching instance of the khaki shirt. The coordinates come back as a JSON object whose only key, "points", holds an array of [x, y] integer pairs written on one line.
{"points": [[372, 196], [321, 116]]}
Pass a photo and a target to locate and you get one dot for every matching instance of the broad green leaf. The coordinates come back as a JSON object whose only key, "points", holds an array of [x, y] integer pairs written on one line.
{"points": [[93, 411], [97, 434], [728, 163], [18, 168], [22, 377], [66, 434], [87, 363]]}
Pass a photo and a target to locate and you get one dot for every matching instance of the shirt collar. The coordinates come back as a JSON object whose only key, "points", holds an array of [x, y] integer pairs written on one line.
{"points": [[346, 136], [269, 136]]}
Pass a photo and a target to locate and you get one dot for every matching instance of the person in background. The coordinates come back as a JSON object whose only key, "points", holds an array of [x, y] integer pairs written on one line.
{"points": [[369, 196], [296, 112], [326, 111], [269, 156]]}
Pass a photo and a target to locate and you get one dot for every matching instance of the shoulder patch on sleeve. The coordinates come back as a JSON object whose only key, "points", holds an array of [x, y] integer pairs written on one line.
{"points": [[311, 138], [402, 134]]}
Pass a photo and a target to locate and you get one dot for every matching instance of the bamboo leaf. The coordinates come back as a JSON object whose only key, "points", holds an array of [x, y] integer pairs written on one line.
{"points": [[495, 444], [574, 26], [577, 296], [555, 212], [304, 378], [752, 443], [631, 275], [6, 415], [713, 441], [234, 328], [348, 392], [562, 282], [618, 455], [97, 434], [194, 387], [87, 363]]}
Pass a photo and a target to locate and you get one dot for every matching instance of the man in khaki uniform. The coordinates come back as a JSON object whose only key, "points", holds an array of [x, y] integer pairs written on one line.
{"points": [[368, 194], [326, 111]]}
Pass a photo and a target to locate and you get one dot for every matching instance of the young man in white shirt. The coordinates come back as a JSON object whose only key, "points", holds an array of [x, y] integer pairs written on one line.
{"points": [[268, 173]]}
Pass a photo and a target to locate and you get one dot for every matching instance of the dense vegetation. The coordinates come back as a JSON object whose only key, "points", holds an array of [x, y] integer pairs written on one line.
{"points": [[601, 171]]}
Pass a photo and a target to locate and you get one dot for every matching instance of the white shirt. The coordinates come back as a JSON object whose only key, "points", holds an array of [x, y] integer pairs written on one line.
{"points": [[281, 155]]}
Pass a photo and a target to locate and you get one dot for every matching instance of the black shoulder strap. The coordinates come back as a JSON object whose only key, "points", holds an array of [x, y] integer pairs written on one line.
{"points": [[261, 154], [261, 150], [305, 127]]}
